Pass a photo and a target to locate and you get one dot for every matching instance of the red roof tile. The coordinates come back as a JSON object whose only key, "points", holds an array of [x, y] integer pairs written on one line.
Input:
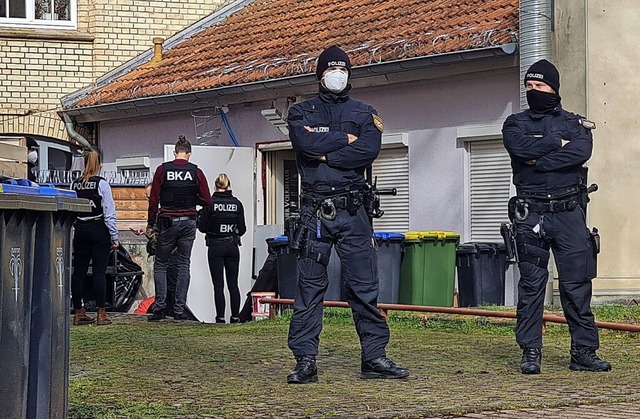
{"points": [[270, 39]]}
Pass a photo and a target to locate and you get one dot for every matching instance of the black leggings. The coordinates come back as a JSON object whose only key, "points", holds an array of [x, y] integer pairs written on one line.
{"points": [[91, 244], [224, 256]]}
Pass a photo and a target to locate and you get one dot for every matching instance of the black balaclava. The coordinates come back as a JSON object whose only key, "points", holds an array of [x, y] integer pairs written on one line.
{"points": [[543, 102]]}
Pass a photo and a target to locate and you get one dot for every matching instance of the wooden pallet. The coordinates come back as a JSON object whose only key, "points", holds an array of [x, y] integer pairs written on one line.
{"points": [[13, 158]]}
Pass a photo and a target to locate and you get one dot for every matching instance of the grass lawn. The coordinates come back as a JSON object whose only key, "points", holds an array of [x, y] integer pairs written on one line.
{"points": [[137, 369]]}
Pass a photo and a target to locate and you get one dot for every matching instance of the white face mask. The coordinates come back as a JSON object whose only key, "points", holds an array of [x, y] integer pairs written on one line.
{"points": [[335, 81], [32, 156]]}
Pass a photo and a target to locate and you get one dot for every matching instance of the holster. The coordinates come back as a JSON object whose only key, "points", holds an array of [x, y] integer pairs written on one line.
{"points": [[506, 231]]}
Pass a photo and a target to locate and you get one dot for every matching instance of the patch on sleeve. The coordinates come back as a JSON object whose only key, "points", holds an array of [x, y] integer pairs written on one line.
{"points": [[587, 124], [377, 121]]}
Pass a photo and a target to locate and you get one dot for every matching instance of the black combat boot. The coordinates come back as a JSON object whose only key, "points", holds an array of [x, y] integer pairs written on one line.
{"points": [[531, 359], [157, 316], [585, 359], [305, 370], [382, 367]]}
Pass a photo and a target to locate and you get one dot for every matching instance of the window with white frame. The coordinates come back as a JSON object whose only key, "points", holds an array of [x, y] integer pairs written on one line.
{"points": [[38, 13]]}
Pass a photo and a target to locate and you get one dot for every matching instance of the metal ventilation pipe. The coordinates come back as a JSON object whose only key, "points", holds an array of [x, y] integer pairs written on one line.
{"points": [[536, 24]]}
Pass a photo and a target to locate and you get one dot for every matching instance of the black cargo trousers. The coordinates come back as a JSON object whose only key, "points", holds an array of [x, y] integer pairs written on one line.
{"points": [[567, 235], [353, 238]]}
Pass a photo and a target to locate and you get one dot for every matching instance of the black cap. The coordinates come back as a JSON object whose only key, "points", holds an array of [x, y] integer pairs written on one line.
{"points": [[332, 56], [545, 72], [31, 143]]}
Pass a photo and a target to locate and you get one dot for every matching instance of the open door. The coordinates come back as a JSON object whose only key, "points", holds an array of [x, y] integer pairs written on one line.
{"points": [[238, 164]]}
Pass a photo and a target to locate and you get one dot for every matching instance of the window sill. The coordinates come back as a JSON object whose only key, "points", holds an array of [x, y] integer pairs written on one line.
{"points": [[46, 34]]}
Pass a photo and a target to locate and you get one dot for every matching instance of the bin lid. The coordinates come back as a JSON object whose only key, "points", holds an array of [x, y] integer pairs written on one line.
{"points": [[481, 247], [26, 201], [388, 235], [414, 236]]}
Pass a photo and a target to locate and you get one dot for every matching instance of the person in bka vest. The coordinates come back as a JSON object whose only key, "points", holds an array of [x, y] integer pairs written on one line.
{"points": [[177, 187], [94, 235], [223, 223]]}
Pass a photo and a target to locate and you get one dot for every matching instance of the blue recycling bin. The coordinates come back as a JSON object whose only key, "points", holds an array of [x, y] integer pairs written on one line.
{"points": [[34, 309]]}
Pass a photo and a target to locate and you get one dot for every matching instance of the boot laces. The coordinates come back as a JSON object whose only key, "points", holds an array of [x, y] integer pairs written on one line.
{"points": [[531, 355]]}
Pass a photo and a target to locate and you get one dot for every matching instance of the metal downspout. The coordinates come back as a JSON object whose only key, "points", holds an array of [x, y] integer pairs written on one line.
{"points": [[68, 123], [536, 25]]}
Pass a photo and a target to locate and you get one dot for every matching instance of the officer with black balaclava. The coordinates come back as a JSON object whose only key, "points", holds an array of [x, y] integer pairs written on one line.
{"points": [[548, 147], [335, 139]]}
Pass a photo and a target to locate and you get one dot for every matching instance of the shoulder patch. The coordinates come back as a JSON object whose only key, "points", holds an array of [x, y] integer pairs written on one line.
{"points": [[377, 121], [586, 123]]}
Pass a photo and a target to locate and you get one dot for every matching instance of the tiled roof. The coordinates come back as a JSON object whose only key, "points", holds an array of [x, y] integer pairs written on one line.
{"points": [[270, 39]]}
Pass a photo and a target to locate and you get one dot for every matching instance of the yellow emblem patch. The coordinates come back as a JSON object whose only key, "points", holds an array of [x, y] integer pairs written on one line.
{"points": [[587, 124], [377, 121]]}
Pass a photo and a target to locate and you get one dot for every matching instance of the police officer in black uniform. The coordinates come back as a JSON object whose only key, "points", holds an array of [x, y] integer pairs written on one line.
{"points": [[178, 186], [335, 139], [548, 148], [94, 235], [223, 223]]}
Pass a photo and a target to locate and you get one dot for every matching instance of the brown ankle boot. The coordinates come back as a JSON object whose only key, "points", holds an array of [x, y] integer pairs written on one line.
{"points": [[102, 318], [80, 317]]}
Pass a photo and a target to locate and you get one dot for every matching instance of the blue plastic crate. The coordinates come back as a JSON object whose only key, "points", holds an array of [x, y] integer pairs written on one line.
{"points": [[49, 189], [19, 186]]}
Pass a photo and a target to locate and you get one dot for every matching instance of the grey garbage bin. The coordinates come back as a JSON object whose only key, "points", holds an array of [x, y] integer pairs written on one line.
{"points": [[35, 246], [286, 264], [50, 306], [389, 258], [20, 208], [288, 271], [481, 273]]}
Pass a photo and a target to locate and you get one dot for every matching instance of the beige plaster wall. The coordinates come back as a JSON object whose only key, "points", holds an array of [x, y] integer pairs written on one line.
{"points": [[613, 84]]}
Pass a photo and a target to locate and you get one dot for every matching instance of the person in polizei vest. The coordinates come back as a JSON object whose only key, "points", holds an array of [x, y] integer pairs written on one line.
{"points": [[94, 236], [548, 147], [336, 138], [223, 223], [177, 187]]}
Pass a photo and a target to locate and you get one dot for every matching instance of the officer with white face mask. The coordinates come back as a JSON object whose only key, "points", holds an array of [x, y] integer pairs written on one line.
{"points": [[32, 159], [336, 138]]}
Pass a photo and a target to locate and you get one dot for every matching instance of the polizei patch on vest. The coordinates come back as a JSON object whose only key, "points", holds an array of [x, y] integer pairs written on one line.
{"points": [[587, 124], [377, 121]]}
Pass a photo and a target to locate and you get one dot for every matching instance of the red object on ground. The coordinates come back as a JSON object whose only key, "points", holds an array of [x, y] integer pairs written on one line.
{"points": [[144, 305]]}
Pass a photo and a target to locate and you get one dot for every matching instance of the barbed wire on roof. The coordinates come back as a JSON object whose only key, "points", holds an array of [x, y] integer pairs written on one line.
{"points": [[424, 44]]}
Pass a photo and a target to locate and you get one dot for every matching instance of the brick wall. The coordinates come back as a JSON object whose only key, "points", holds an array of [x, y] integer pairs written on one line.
{"points": [[39, 66]]}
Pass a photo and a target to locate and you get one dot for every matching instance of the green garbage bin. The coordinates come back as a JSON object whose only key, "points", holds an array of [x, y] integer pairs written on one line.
{"points": [[427, 272], [20, 209]]}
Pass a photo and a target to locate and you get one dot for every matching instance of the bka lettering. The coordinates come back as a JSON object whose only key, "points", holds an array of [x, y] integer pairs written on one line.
{"points": [[225, 207], [227, 228], [179, 176]]}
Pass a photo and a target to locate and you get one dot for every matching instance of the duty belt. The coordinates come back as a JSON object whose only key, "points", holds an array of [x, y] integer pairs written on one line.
{"points": [[340, 201], [183, 218], [551, 206]]}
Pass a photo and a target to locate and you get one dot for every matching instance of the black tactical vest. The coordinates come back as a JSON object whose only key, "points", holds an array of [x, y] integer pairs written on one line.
{"points": [[223, 215], [89, 190], [180, 186]]}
